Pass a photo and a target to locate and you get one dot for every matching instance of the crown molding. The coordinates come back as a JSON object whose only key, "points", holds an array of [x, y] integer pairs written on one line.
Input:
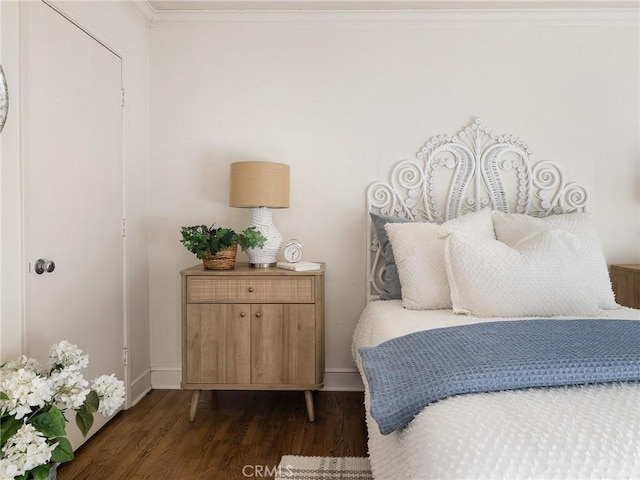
{"points": [[386, 5], [434, 18], [141, 9], [171, 13]]}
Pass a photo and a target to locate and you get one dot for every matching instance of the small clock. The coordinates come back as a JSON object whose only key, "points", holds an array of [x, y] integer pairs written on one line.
{"points": [[293, 251]]}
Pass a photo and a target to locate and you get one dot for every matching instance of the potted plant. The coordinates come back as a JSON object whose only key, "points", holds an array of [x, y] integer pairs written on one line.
{"points": [[217, 247], [33, 399]]}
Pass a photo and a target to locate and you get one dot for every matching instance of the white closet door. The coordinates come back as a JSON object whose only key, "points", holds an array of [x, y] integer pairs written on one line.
{"points": [[73, 199]]}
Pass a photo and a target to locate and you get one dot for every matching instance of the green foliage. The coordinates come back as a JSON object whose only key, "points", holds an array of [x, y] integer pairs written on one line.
{"points": [[84, 415], [251, 237], [200, 239], [41, 472], [8, 427], [50, 423], [63, 452]]}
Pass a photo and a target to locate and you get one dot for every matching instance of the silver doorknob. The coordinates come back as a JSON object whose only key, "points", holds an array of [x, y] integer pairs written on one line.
{"points": [[43, 265]]}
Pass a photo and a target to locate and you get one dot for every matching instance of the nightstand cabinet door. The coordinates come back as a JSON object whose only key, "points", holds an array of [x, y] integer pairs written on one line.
{"points": [[218, 346], [283, 340]]}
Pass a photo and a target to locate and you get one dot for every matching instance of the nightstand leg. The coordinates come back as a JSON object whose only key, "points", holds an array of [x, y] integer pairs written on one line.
{"points": [[308, 396], [195, 399]]}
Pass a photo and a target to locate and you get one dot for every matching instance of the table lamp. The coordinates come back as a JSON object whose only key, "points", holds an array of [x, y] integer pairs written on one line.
{"points": [[261, 186]]}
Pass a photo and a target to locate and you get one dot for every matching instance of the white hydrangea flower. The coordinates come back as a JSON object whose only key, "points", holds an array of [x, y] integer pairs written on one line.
{"points": [[68, 355], [69, 388], [26, 450], [110, 390], [27, 386], [25, 390], [8, 470], [23, 362]]}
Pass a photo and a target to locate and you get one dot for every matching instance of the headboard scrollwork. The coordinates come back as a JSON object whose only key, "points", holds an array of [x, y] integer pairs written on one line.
{"points": [[455, 174]]}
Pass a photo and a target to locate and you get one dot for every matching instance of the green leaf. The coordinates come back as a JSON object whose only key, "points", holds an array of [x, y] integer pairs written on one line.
{"points": [[251, 237], [8, 427], [63, 452], [41, 472], [50, 423], [4, 396], [92, 402], [84, 421]]}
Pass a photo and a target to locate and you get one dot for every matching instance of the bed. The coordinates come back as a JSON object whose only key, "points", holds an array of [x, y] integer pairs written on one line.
{"points": [[467, 240]]}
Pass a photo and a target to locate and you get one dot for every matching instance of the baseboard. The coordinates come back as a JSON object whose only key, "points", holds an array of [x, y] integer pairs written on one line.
{"points": [[335, 379], [139, 387], [166, 378], [342, 380]]}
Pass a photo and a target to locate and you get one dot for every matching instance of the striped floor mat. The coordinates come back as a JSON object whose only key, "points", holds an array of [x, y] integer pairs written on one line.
{"points": [[293, 467]]}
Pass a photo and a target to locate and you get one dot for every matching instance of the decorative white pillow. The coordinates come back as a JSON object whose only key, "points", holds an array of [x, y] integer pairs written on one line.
{"points": [[512, 228], [419, 255], [542, 276]]}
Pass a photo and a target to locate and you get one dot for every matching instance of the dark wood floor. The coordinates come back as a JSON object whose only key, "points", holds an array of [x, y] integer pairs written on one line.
{"points": [[155, 440]]}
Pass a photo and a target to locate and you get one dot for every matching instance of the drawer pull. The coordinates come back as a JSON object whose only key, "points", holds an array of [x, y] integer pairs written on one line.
{"points": [[242, 314], [250, 289], [258, 314]]}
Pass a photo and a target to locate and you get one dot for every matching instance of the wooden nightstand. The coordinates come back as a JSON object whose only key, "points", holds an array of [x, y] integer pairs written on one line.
{"points": [[625, 280], [252, 329]]}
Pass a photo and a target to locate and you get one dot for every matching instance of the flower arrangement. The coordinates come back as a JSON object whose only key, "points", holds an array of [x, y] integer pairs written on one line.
{"points": [[32, 402]]}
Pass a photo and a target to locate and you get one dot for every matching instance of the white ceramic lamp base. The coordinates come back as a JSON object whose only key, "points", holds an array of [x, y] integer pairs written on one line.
{"points": [[262, 219]]}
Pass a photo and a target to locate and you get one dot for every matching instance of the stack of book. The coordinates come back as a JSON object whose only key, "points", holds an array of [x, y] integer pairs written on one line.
{"points": [[299, 266]]}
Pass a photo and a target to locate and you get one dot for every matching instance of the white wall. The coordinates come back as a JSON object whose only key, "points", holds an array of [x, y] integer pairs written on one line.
{"points": [[118, 26], [341, 97]]}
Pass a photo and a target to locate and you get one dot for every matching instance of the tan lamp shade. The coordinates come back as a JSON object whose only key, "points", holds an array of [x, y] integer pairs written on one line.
{"points": [[259, 184]]}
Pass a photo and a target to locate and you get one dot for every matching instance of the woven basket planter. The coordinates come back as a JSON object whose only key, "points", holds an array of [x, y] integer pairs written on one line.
{"points": [[224, 259]]}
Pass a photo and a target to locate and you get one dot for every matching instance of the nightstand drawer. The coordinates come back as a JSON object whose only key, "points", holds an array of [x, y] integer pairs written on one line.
{"points": [[250, 289]]}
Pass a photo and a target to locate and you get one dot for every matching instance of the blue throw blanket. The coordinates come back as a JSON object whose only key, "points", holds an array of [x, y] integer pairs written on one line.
{"points": [[407, 373]]}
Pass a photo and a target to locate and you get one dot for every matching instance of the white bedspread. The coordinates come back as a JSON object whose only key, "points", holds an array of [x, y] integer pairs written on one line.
{"points": [[571, 432]]}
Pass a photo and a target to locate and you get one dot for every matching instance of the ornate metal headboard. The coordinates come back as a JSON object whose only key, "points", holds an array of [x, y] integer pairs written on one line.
{"points": [[456, 174]]}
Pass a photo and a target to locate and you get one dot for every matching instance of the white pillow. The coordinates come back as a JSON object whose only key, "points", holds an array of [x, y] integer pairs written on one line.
{"points": [[544, 275], [513, 228], [419, 254]]}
